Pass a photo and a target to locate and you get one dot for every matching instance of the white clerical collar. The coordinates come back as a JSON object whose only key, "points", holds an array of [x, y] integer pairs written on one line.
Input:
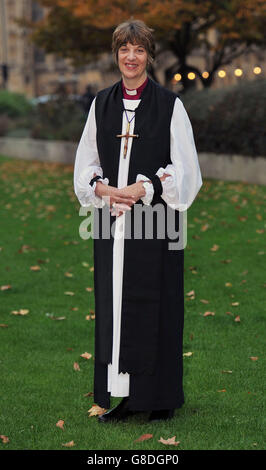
{"points": [[131, 92]]}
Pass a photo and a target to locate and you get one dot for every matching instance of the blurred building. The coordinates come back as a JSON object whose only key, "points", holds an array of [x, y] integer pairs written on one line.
{"points": [[28, 69]]}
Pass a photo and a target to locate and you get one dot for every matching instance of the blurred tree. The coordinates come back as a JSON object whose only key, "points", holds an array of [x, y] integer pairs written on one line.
{"points": [[81, 29]]}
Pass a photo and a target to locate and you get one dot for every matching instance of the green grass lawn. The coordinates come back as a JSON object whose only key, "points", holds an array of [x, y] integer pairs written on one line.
{"points": [[224, 264]]}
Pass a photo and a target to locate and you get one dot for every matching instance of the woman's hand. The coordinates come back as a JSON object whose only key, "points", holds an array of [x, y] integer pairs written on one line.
{"points": [[112, 195]]}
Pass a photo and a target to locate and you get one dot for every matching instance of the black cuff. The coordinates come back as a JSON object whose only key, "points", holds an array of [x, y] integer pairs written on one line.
{"points": [[157, 184], [95, 179]]}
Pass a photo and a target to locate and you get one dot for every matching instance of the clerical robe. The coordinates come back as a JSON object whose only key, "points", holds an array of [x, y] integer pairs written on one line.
{"points": [[138, 282]]}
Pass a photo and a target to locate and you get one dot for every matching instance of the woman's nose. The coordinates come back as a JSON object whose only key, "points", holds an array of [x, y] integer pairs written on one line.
{"points": [[131, 55]]}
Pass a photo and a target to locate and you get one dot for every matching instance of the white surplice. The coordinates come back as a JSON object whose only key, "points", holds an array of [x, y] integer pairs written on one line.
{"points": [[179, 191]]}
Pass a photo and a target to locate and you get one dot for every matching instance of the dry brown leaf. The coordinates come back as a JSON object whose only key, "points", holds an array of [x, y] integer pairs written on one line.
{"points": [[76, 366], [144, 437], [69, 293], [235, 304], [192, 292], [214, 247], [22, 311], [86, 355], [5, 439], [237, 318], [67, 274], [89, 289], [228, 284], [96, 410], [227, 371], [3, 325], [188, 354], [6, 287], [88, 317], [69, 444], [204, 301], [253, 358], [223, 390], [92, 269], [89, 394], [35, 268], [170, 441], [207, 314], [60, 424]]}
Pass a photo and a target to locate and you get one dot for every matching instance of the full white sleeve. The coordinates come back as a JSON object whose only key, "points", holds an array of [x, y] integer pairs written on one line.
{"points": [[181, 188], [185, 181], [87, 163]]}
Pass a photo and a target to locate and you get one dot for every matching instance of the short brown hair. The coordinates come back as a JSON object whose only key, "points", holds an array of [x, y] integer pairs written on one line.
{"points": [[134, 32]]}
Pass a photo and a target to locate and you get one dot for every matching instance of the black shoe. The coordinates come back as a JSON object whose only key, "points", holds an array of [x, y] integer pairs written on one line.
{"points": [[161, 415], [118, 413]]}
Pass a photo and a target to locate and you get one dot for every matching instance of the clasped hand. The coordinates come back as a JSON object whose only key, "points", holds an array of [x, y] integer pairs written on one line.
{"points": [[123, 198]]}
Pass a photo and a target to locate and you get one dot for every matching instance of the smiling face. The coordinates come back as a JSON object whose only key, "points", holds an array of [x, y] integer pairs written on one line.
{"points": [[132, 62]]}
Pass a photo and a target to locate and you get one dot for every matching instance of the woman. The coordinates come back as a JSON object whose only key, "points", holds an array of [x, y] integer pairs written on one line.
{"points": [[137, 153]]}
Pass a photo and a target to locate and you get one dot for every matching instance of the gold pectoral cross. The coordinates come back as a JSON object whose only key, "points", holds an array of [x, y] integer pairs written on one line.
{"points": [[127, 135]]}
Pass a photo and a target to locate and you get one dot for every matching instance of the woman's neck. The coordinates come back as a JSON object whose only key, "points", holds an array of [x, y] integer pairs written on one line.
{"points": [[133, 84]]}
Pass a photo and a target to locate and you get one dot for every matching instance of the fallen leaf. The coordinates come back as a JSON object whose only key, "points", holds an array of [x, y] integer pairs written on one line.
{"points": [[207, 314], [235, 304], [35, 268], [204, 301], [214, 248], [144, 437], [67, 274], [76, 366], [227, 371], [89, 289], [188, 354], [86, 355], [69, 444], [3, 325], [253, 358], [96, 410], [6, 287], [69, 293], [228, 284], [60, 424], [192, 292], [22, 311], [5, 439], [170, 441], [237, 318], [89, 394], [223, 390]]}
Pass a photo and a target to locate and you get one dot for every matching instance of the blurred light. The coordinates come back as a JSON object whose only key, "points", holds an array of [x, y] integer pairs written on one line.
{"points": [[257, 70], [238, 72], [191, 76], [178, 77], [222, 73], [205, 74]]}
